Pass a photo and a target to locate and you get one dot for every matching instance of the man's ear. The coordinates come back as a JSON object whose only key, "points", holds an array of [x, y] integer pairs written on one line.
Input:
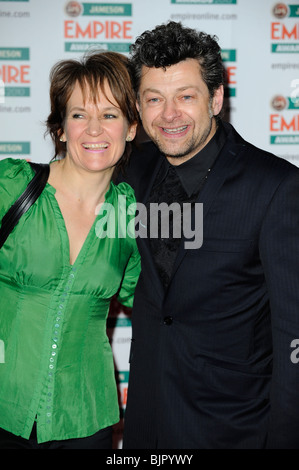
{"points": [[138, 107], [217, 101]]}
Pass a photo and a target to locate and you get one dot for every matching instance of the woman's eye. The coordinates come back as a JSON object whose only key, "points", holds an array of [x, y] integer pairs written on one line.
{"points": [[110, 116], [77, 116]]}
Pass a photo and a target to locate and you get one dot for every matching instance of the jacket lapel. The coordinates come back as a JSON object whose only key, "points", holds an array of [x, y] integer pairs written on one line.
{"points": [[217, 176]]}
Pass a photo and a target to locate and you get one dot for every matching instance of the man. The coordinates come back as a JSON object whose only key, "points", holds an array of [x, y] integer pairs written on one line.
{"points": [[212, 325]]}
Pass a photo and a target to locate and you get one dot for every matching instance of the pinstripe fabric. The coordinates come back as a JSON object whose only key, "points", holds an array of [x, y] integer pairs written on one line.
{"points": [[210, 357]]}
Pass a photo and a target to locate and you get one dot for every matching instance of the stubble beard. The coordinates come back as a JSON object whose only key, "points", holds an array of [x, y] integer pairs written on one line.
{"points": [[191, 147]]}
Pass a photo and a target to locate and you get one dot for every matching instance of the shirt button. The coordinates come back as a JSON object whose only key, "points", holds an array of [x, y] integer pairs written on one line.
{"points": [[167, 321]]}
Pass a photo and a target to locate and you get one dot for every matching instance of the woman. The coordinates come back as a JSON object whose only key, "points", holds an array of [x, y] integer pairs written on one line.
{"points": [[57, 275]]}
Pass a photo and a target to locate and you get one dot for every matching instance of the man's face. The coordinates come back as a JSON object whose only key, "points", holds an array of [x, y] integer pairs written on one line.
{"points": [[176, 110]]}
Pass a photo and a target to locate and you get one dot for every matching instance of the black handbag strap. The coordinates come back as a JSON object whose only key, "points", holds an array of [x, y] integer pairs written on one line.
{"points": [[25, 201]]}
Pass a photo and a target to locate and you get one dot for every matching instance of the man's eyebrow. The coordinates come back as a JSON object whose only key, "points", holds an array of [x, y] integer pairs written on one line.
{"points": [[151, 90]]}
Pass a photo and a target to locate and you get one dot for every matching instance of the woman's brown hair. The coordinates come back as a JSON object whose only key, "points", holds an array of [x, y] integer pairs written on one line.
{"points": [[90, 72]]}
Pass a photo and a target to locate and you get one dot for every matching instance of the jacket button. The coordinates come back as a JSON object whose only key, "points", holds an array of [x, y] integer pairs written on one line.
{"points": [[167, 321]]}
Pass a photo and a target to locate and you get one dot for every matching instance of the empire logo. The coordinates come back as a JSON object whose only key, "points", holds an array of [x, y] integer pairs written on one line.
{"points": [[279, 123], [13, 74], [122, 381], [98, 30], [281, 31], [284, 122], [73, 9], [286, 128], [280, 10], [230, 56], [280, 103]]}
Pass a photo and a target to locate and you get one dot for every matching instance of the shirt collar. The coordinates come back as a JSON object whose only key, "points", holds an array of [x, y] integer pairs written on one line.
{"points": [[194, 170]]}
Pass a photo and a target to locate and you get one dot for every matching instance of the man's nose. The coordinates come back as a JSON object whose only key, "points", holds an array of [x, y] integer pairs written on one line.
{"points": [[170, 111]]}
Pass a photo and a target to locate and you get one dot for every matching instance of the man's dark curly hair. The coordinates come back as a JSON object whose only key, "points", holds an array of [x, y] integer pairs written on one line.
{"points": [[171, 43]]}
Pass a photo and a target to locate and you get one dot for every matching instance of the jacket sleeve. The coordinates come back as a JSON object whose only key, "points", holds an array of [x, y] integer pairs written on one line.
{"points": [[279, 250]]}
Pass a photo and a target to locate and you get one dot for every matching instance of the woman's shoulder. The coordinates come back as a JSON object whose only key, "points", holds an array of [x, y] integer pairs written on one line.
{"points": [[15, 175], [124, 189], [14, 167]]}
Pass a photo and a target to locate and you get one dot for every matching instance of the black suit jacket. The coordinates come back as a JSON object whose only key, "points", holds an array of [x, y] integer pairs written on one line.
{"points": [[210, 361]]}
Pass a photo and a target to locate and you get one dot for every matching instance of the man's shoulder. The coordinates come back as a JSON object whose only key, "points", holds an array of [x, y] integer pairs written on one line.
{"points": [[142, 163], [256, 157], [143, 153]]}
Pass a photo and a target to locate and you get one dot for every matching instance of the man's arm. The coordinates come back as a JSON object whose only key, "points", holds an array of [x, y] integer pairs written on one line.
{"points": [[279, 250]]}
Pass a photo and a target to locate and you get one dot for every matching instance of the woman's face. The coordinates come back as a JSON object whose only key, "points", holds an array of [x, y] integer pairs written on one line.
{"points": [[95, 133]]}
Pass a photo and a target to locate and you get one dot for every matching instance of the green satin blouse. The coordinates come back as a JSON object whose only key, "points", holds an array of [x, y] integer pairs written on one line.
{"points": [[57, 364]]}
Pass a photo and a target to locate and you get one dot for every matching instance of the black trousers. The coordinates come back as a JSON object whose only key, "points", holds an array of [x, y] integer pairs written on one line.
{"points": [[100, 440]]}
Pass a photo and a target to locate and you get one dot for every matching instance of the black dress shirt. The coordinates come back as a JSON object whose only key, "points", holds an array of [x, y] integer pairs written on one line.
{"points": [[181, 184]]}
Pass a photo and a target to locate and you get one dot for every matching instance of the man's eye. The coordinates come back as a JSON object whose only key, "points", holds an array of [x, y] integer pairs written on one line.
{"points": [[110, 116], [77, 116]]}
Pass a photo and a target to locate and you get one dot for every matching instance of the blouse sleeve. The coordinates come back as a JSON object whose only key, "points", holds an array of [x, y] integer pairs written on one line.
{"points": [[14, 177], [131, 274]]}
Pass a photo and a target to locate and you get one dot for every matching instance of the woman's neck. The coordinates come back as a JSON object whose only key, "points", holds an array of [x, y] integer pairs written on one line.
{"points": [[82, 186]]}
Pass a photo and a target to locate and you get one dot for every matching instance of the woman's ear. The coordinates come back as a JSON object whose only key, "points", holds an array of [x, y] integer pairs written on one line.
{"points": [[131, 132], [62, 137]]}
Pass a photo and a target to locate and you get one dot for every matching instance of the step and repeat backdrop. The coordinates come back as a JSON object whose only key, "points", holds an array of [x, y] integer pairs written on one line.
{"points": [[260, 49]]}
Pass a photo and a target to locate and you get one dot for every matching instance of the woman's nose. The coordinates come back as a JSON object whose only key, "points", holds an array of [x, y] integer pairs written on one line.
{"points": [[94, 127]]}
